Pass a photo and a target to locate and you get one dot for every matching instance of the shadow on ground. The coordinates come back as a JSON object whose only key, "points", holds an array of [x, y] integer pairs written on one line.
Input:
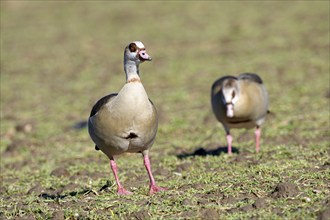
{"points": [[202, 152], [59, 196]]}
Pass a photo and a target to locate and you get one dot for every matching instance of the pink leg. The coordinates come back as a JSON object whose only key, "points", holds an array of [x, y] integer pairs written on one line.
{"points": [[153, 187], [121, 189], [257, 134], [229, 141]]}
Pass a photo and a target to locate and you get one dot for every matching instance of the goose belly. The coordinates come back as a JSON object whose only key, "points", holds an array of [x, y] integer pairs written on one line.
{"points": [[128, 123]]}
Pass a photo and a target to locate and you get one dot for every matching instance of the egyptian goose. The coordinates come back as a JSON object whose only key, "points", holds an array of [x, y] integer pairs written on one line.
{"points": [[126, 121], [240, 102]]}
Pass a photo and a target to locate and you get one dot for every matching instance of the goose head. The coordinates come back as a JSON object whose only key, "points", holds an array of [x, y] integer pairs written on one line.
{"points": [[136, 52], [230, 95]]}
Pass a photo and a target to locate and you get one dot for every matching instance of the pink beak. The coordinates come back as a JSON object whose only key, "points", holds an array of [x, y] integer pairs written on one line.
{"points": [[144, 56]]}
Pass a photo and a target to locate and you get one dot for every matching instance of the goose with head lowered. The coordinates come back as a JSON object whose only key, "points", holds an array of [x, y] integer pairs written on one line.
{"points": [[240, 102], [126, 121]]}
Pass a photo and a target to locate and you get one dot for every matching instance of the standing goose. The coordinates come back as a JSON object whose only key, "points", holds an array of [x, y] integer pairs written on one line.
{"points": [[126, 121], [240, 102]]}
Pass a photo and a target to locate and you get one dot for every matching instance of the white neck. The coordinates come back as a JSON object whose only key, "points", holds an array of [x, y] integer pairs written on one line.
{"points": [[131, 69]]}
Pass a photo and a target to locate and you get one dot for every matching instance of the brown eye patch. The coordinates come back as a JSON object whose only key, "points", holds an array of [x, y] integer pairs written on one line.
{"points": [[132, 47]]}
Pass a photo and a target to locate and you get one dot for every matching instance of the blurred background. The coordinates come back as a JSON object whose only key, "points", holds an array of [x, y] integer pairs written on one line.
{"points": [[59, 57]]}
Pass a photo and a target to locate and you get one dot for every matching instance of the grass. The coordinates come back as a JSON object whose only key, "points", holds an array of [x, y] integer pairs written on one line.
{"points": [[58, 58]]}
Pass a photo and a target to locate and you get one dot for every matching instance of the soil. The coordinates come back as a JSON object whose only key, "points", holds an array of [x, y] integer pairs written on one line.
{"points": [[209, 213], [324, 215], [284, 190], [58, 215], [60, 172], [140, 215]]}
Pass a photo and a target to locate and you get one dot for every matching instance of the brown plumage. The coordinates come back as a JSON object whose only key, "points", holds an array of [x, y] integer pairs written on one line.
{"points": [[240, 102]]}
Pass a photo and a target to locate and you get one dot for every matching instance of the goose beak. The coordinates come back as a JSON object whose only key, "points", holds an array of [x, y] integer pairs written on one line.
{"points": [[144, 56], [230, 110]]}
